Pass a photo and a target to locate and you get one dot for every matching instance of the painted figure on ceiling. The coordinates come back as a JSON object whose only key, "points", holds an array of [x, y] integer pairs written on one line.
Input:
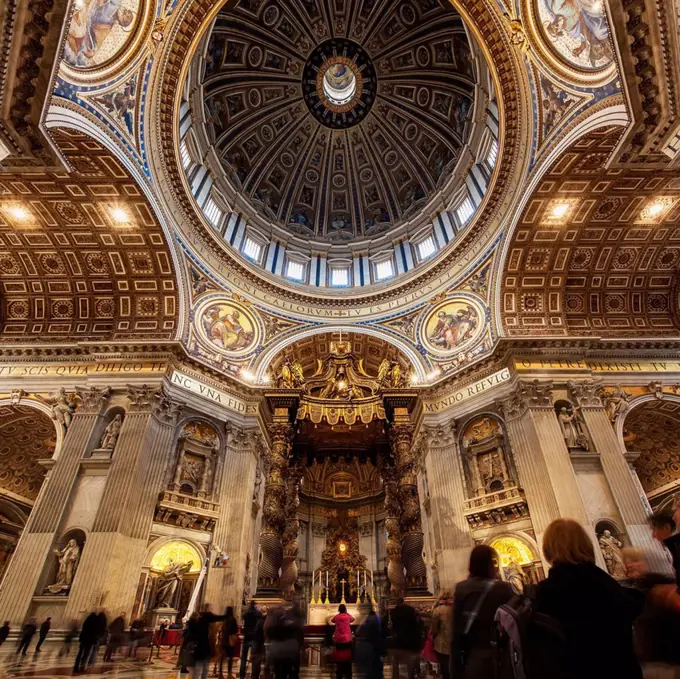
{"points": [[224, 328], [584, 21], [91, 25], [451, 330]]}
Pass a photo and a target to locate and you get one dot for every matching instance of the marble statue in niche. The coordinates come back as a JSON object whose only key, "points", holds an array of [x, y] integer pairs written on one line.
{"points": [[572, 426], [484, 449], [168, 583], [613, 558], [514, 574], [111, 433], [68, 558]]}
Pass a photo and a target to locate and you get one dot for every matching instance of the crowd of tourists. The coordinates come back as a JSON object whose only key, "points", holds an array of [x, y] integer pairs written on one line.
{"points": [[577, 623]]}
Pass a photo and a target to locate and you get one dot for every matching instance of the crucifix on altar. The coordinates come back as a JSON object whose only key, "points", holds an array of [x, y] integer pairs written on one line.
{"points": [[343, 582]]}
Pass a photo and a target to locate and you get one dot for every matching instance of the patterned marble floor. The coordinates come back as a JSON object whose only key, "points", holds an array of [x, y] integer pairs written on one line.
{"points": [[47, 665]]}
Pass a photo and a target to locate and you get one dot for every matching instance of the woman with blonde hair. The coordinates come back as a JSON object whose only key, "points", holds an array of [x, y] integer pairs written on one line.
{"points": [[596, 613], [441, 628]]}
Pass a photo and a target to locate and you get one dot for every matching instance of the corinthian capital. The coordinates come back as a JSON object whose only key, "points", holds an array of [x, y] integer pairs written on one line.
{"points": [[166, 409], [92, 399], [242, 439], [528, 394], [587, 393], [441, 435], [142, 398]]}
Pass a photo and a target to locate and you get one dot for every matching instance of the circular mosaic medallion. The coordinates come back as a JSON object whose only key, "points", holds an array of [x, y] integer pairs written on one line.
{"points": [[577, 31], [452, 326], [227, 327], [339, 83]]}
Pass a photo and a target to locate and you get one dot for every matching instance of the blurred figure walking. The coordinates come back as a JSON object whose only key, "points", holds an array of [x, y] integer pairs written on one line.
{"points": [[202, 649], [87, 639], [594, 610], [4, 632], [27, 634], [251, 619], [116, 634], [475, 602], [407, 638], [70, 635], [369, 648], [44, 631], [229, 642], [442, 632]]}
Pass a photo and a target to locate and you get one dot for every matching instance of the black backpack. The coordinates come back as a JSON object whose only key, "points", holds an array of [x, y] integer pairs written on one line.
{"points": [[529, 644]]}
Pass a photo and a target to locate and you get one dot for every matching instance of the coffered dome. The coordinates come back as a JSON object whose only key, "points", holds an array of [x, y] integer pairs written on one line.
{"points": [[338, 123]]}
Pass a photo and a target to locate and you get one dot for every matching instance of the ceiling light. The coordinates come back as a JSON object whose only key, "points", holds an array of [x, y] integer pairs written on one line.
{"points": [[266, 378], [247, 375], [119, 215], [434, 374], [656, 208], [560, 210], [18, 212]]}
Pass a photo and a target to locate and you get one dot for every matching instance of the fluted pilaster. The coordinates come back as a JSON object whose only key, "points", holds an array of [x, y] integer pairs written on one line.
{"points": [[619, 475], [545, 470], [28, 562], [114, 552], [234, 527], [452, 539]]}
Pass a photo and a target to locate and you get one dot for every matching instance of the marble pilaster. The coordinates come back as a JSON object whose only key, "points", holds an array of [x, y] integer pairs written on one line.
{"points": [[116, 547], [451, 533], [234, 527], [543, 464], [23, 577], [623, 486]]}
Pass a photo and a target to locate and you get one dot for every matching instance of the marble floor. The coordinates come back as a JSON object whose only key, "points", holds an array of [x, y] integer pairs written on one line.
{"points": [[47, 664]]}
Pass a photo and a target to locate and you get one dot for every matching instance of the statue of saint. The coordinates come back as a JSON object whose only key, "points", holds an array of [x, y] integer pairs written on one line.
{"points": [[111, 433], [168, 583], [514, 574], [613, 558], [258, 484], [62, 406], [571, 428], [68, 558], [616, 402]]}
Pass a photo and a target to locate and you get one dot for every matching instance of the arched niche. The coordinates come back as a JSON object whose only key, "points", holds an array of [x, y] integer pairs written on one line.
{"points": [[519, 560], [485, 451], [649, 430], [106, 432], [62, 565], [574, 430], [170, 573], [197, 448]]}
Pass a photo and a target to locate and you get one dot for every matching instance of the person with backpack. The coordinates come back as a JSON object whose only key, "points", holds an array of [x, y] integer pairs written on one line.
{"points": [[475, 602], [595, 612]]}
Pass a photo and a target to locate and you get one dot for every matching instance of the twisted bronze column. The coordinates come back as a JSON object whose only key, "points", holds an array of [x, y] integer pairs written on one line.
{"points": [[395, 567], [289, 571], [410, 525], [274, 507]]}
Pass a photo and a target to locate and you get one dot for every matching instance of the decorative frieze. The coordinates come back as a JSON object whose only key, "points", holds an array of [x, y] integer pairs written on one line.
{"points": [[495, 509], [186, 511]]}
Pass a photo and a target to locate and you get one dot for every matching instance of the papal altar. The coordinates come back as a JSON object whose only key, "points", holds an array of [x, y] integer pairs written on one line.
{"points": [[322, 614]]}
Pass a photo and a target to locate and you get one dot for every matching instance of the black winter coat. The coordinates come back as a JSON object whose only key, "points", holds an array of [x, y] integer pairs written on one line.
{"points": [[597, 615]]}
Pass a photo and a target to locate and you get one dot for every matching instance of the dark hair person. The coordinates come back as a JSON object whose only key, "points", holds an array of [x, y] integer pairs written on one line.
{"points": [[475, 603], [594, 610]]}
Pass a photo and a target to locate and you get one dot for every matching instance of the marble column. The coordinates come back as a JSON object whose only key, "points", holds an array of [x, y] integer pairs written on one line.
{"points": [[23, 577], [234, 526], [274, 504], [543, 464], [623, 486], [116, 547], [447, 499], [410, 524]]}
